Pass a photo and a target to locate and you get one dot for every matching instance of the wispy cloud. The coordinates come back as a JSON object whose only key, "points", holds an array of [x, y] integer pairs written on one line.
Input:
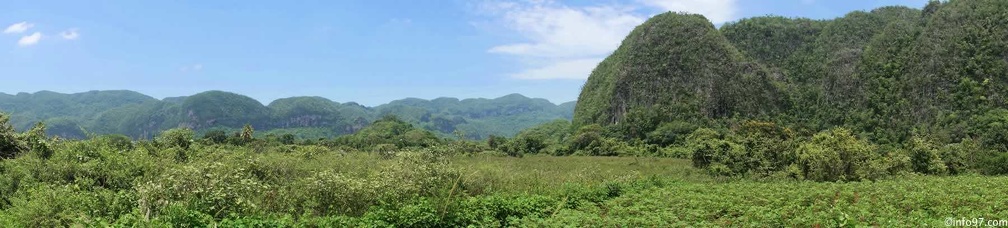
{"points": [[567, 42], [70, 34], [18, 28], [562, 42], [30, 40], [562, 69]]}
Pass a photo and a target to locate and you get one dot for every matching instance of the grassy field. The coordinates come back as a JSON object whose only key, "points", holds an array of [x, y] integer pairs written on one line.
{"points": [[92, 184], [679, 195]]}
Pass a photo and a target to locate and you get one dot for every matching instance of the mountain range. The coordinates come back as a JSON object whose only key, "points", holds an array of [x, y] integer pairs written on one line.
{"points": [[140, 116]]}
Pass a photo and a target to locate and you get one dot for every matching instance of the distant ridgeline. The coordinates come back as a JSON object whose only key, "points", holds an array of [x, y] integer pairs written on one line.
{"points": [[141, 116], [888, 74]]}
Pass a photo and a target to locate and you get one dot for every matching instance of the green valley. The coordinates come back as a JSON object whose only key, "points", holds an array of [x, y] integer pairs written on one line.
{"points": [[889, 117]]}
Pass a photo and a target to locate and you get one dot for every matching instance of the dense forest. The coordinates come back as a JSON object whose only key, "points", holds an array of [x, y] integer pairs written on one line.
{"points": [[143, 117]]}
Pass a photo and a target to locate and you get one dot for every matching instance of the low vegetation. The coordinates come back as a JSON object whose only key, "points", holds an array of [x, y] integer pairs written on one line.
{"points": [[392, 174]]}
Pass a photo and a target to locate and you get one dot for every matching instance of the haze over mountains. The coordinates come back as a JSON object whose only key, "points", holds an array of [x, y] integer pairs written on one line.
{"points": [[141, 116]]}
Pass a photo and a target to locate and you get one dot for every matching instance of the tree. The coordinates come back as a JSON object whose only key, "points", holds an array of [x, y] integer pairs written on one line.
{"points": [[177, 137], [215, 136], [837, 155], [247, 133], [10, 145], [712, 152], [496, 142], [37, 141], [288, 139], [670, 133]]}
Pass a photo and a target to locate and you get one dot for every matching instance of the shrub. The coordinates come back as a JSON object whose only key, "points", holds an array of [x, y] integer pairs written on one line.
{"points": [[925, 157], [310, 151], [48, 205], [671, 133], [288, 139], [496, 142], [524, 144], [386, 151], [769, 147], [215, 188], [708, 148], [115, 141], [955, 156], [334, 193], [995, 164], [10, 144], [897, 160], [412, 174], [838, 155], [589, 140], [176, 137], [584, 137], [216, 136], [37, 142]]}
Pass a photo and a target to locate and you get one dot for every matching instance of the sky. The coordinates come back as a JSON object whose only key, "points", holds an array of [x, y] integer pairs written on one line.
{"points": [[365, 51]]}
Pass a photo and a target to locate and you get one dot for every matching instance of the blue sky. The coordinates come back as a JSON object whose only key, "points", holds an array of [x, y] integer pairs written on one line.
{"points": [[370, 51]]}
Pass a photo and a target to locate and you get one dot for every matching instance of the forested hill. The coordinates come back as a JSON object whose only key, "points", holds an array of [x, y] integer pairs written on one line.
{"points": [[888, 74], [141, 116]]}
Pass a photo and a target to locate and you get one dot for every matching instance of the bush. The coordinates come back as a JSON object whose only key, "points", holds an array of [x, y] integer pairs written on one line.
{"points": [[10, 144], [410, 175], [897, 159], [216, 189], [333, 193], [46, 205], [117, 142], [177, 137], [386, 151], [37, 142], [524, 144], [714, 154], [925, 157], [589, 140], [955, 156], [995, 164], [496, 142], [838, 155], [215, 137], [762, 148], [670, 133], [769, 148]]}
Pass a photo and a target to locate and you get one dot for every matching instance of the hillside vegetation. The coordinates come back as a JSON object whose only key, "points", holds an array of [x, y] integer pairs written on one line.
{"points": [[793, 95], [140, 116]]}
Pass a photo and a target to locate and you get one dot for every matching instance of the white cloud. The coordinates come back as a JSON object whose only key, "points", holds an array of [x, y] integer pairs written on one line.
{"points": [[18, 27], [563, 69], [559, 31], [70, 34], [567, 42], [717, 11], [30, 39]]}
